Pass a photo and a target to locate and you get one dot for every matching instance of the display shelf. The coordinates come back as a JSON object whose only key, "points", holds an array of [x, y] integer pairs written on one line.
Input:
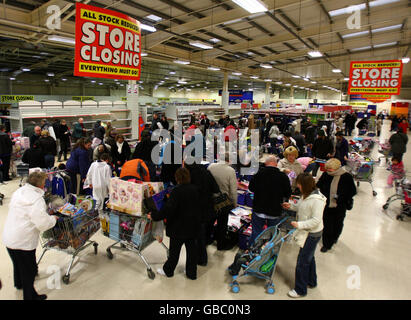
{"points": [[121, 120], [120, 110], [125, 128]]}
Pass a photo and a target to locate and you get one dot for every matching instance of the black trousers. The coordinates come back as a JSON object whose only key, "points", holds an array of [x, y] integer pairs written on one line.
{"points": [[64, 146], [202, 245], [174, 255], [221, 230], [25, 269], [333, 219], [5, 167]]}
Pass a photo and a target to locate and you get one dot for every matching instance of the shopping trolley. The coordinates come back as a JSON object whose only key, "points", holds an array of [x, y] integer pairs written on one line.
{"points": [[22, 171], [385, 150], [133, 233], [261, 259], [71, 235], [362, 170], [403, 193]]}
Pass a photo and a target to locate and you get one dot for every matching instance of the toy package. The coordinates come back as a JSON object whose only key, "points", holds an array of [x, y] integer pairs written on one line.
{"points": [[127, 196]]}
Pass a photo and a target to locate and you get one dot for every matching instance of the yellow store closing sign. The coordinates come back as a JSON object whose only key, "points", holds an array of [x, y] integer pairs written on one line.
{"points": [[15, 98]]}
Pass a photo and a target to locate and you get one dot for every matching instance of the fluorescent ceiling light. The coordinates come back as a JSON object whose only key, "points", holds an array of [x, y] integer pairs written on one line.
{"points": [[12, 78], [347, 10], [306, 79], [346, 79], [288, 84], [294, 76], [215, 40], [268, 80], [355, 34], [266, 66], [314, 82], [397, 26], [147, 27], [50, 74], [336, 70], [232, 21], [235, 86], [295, 86], [172, 72], [93, 81], [237, 73], [254, 77], [61, 39], [250, 53], [153, 17], [100, 83], [47, 80], [405, 60], [64, 79], [200, 45], [181, 62], [385, 44], [213, 68], [25, 69], [144, 54], [278, 82], [315, 54], [360, 49], [252, 6], [197, 84], [377, 3]]}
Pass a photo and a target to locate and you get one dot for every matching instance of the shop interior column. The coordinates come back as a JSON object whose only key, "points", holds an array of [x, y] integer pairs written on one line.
{"points": [[267, 93], [225, 94], [132, 105]]}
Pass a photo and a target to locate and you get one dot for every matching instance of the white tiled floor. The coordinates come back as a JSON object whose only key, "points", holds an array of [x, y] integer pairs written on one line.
{"points": [[373, 241]]}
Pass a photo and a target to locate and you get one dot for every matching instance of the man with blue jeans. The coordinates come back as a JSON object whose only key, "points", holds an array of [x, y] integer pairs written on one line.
{"points": [[271, 188]]}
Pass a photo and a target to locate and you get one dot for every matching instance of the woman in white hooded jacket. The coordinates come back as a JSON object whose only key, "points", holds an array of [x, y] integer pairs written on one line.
{"points": [[309, 227], [27, 217]]}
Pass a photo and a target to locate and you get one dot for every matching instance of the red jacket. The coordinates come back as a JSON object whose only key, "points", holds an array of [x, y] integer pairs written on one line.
{"points": [[403, 126]]}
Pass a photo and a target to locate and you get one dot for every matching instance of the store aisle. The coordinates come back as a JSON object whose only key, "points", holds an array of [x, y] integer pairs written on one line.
{"points": [[371, 261]]}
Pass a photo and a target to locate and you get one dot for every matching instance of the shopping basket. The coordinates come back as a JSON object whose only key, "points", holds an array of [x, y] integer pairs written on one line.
{"points": [[71, 234]]}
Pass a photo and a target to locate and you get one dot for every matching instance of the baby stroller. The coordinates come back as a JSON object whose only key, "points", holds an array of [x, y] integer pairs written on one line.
{"points": [[403, 193], [261, 259]]}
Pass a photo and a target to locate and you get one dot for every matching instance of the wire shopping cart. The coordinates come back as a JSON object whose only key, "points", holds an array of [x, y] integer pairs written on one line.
{"points": [[22, 171], [385, 150], [402, 193], [362, 171], [133, 233], [71, 235]]}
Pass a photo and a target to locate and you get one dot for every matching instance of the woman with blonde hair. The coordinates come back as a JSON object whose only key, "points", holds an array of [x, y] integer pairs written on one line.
{"points": [[290, 164], [309, 227], [339, 188]]}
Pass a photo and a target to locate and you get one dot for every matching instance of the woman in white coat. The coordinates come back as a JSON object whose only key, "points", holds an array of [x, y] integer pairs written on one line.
{"points": [[27, 217], [309, 227]]}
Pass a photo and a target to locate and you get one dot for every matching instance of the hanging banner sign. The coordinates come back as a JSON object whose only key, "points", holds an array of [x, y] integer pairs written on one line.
{"points": [[14, 98], [81, 98], [107, 44], [375, 78]]}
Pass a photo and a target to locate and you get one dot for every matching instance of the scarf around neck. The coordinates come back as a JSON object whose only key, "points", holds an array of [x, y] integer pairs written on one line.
{"points": [[120, 147], [334, 186]]}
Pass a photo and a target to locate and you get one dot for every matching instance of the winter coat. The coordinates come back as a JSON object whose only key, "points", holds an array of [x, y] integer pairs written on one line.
{"points": [[27, 217], [48, 145], [296, 167], [207, 186], [135, 168], [99, 176], [341, 150], [79, 162], [143, 150], [226, 179], [34, 157], [181, 212], [398, 142], [274, 132], [271, 188], [322, 147], [346, 189], [123, 156], [78, 131], [99, 131], [6, 145], [33, 139], [309, 216], [64, 133]]}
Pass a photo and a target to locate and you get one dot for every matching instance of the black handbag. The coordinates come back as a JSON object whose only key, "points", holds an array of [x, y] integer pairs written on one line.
{"points": [[222, 203]]}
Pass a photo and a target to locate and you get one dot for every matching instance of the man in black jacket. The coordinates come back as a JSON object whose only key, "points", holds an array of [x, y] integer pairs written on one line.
{"points": [[206, 184], [398, 142], [183, 224], [6, 146], [271, 188], [300, 142], [322, 149], [35, 136]]}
